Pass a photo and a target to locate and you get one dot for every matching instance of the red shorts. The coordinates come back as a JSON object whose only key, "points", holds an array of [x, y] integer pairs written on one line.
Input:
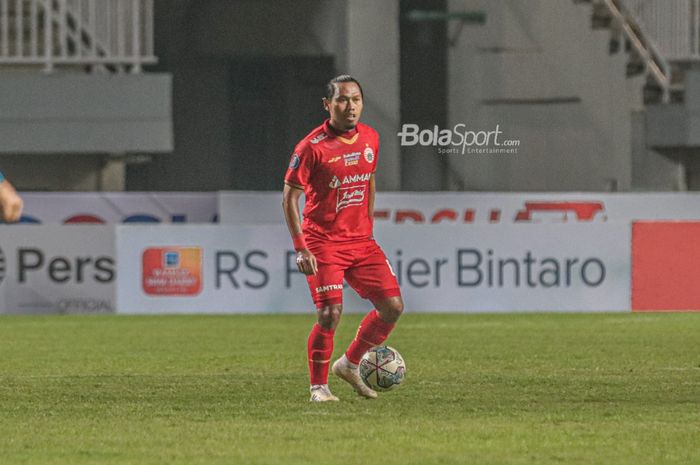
{"points": [[365, 268]]}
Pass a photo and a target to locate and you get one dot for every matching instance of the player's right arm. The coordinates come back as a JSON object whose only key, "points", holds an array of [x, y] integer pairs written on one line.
{"points": [[306, 261], [10, 202], [298, 175]]}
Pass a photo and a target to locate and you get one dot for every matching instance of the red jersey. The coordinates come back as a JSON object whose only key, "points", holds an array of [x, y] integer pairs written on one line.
{"points": [[334, 172]]}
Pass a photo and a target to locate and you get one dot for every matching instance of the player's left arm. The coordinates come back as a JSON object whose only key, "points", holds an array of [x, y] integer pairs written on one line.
{"points": [[372, 190]]}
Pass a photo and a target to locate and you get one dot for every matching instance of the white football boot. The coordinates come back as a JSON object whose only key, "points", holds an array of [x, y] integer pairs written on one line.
{"points": [[321, 393], [350, 373]]}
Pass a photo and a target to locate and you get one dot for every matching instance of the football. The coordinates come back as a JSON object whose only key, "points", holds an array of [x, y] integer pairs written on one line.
{"points": [[382, 368]]}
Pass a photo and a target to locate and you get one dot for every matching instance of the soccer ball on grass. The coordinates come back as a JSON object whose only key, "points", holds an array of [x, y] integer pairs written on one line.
{"points": [[382, 368]]}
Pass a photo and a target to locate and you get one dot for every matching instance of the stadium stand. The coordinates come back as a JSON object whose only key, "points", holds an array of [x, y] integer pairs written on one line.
{"points": [[600, 92], [74, 88]]}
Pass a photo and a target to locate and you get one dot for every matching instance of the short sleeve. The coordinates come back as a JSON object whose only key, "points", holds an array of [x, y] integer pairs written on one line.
{"points": [[300, 166]]}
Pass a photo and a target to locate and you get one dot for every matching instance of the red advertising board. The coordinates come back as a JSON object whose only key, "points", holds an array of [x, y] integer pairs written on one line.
{"points": [[665, 266]]}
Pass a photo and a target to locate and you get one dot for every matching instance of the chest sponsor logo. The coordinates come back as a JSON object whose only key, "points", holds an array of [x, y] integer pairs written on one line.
{"points": [[352, 158], [350, 196], [364, 177], [351, 179], [369, 155], [318, 138]]}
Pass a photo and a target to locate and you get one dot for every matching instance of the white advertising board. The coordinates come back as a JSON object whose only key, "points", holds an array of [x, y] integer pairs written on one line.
{"points": [[119, 207], [484, 208], [250, 269], [57, 269]]}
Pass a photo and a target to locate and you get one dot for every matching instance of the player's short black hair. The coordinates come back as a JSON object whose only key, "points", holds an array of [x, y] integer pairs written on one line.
{"points": [[330, 87]]}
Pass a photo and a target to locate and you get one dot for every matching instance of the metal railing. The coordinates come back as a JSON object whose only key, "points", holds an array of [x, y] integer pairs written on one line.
{"points": [[655, 64], [673, 25], [113, 33]]}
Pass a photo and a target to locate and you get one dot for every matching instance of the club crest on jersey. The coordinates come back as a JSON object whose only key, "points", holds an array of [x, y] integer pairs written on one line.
{"points": [[335, 183], [351, 158], [369, 155], [318, 138], [294, 163], [350, 196]]}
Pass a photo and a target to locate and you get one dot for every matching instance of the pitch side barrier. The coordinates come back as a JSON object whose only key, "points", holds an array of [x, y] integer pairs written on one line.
{"points": [[251, 269], [455, 252]]}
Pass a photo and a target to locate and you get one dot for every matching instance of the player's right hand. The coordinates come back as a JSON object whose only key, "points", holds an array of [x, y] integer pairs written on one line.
{"points": [[10, 203], [306, 262]]}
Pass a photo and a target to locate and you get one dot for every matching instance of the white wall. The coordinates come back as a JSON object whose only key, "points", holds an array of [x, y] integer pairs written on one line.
{"points": [[73, 112], [538, 70]]}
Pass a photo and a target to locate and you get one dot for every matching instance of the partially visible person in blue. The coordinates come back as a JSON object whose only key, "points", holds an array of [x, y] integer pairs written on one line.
{"points": [[10, 201]]}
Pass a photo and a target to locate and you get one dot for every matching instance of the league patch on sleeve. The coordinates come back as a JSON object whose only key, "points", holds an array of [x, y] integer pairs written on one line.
{"points": [[295, 162]]}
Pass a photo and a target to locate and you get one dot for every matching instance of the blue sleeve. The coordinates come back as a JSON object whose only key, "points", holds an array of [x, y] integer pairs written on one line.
{"points": [[2, 177]]}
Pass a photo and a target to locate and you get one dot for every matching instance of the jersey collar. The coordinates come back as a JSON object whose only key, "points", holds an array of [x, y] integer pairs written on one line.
{"points": [[348, 137]]}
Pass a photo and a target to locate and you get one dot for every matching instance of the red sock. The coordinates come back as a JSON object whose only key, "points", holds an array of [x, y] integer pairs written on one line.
{"points": [[320, 350], [372, 332]]}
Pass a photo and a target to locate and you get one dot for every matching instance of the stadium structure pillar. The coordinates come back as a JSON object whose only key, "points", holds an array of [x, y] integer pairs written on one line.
{"points": [[423, 91], [369, 23]]}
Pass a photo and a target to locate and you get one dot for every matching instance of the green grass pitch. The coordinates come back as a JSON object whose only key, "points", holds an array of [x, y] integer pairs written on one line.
{"points": [[480, 389]]}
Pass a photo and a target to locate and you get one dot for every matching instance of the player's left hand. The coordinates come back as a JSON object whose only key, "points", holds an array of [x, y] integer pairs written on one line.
{"points": [[306, 262]]}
